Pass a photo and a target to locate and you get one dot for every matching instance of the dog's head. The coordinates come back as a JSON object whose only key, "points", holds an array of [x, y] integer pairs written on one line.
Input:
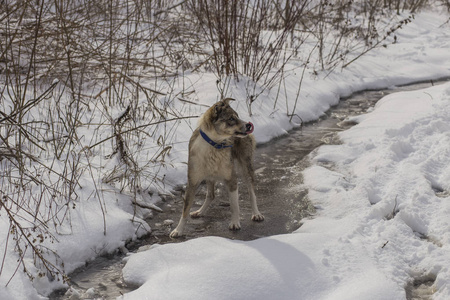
{"points": [[226, 121]]}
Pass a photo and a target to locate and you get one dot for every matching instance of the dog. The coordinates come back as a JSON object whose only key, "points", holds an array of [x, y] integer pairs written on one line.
{"points": [[220, 146]]}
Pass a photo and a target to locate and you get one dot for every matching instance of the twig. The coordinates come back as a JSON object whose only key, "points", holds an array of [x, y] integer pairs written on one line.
{"points": [[30, 103], [191, 102], [146, 205]]}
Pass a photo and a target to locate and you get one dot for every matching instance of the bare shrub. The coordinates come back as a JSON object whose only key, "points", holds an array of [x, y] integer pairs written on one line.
{"points": [[66, 68], [245, 38], [254, 40]]}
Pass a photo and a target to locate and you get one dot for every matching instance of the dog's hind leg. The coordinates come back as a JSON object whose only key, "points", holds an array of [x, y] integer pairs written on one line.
{"points": [[244, 150], [188, 201], [209, 198]]}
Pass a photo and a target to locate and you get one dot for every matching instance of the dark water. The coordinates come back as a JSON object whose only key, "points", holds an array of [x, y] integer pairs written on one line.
{"points": [[278, 167]]}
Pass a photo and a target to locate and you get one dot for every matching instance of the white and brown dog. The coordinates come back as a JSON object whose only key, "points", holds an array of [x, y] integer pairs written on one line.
{"points": [[220, 145]]}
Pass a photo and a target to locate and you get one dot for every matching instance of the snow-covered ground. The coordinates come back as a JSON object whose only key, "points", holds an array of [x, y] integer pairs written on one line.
{"points": [[383, 207], [393, 161], [383, 219]]}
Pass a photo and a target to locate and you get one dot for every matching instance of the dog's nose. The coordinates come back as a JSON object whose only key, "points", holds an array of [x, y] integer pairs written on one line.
{"points": [[249, 128]]}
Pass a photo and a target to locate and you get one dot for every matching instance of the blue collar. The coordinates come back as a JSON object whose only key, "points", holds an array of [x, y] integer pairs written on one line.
{"points": [[212, 143]]}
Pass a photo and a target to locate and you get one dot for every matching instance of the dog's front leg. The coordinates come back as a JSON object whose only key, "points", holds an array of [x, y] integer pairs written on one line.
{"points": [[188, 201], [256, 215], [234, 204]]}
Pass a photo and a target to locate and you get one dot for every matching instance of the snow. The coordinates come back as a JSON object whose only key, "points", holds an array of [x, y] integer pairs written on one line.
{"points": [[386, 178], [383, 207], [380, 222], [278, 267]]}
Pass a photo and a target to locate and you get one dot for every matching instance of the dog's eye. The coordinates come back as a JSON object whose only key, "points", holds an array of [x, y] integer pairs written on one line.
{"points": [[231, 119]]}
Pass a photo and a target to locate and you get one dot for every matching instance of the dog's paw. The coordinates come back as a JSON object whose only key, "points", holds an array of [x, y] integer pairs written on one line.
{"points": [[175, 234], [234, 226], [258, 218], [196, 214]]}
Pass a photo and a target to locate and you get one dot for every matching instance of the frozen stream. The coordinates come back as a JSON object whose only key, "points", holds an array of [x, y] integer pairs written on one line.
{"points": [[278, 167]]}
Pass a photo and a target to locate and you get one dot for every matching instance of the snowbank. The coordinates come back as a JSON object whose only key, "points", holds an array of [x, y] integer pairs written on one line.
{"points": [[279, 267], [392, 179]]}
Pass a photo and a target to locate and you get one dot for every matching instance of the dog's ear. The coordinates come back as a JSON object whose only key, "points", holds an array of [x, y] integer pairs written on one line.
{"points": [[227, 100], [219, 106]]}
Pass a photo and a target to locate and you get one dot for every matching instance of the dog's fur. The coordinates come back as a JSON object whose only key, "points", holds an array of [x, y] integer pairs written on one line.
{"points": [[206, 163]]}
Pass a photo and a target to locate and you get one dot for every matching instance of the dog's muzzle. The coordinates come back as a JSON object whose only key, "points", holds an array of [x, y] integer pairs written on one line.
{"points": [[249, 128]]}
